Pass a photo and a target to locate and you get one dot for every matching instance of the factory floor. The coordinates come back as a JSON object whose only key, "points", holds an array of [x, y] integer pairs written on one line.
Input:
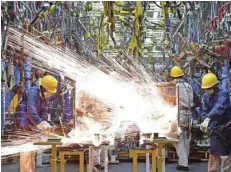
{"points": [[122, 167]]}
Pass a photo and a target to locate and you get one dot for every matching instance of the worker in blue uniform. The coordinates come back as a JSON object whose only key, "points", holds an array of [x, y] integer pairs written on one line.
{"points": [[38, 107], [38, 103], [216, 111]]}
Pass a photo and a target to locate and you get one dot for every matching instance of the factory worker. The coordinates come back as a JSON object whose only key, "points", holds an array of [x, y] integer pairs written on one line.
{"points": [[185, 99], [38, 108], [216, 111], [38, 103]]}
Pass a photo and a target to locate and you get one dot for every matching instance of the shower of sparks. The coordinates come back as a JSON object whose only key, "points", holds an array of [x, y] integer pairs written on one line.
{"points": [[124, 85]]}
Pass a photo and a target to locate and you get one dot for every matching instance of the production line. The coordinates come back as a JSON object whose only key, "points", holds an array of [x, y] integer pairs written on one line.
{"points": [[105, 84]]}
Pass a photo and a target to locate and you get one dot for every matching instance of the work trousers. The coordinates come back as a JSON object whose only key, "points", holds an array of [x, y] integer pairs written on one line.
{"points": [[183, 148], [27, 162], [215, 161]]}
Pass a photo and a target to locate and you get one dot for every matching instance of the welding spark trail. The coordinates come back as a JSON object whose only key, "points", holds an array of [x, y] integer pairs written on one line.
{"points": [[124, 86]]}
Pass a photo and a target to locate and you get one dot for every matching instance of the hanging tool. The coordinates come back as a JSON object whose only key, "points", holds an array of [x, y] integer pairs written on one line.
{"points": [[109, 12], [100, 37], [135, 43], [46, 10]]}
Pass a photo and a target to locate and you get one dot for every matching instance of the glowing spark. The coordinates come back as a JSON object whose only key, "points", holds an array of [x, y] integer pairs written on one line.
{"points": [[138, 102]]}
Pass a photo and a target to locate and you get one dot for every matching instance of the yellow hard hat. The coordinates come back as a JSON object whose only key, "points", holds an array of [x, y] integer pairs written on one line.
{"points": [[176, 72], [49, 83], [209, 80]]}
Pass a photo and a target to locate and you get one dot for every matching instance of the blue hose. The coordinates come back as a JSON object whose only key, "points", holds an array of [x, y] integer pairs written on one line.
{"points": [[17, 74], [2, 108], [27, 72]]}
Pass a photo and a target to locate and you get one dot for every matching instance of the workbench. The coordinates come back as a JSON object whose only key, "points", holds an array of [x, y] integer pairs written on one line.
{"points": [[161, 151], [158, 155], [53, 145], [156, 148]]}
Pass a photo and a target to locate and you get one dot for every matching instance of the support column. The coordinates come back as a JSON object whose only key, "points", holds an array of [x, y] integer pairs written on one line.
{"points": [[134, 156], [147, 159], [53, 160], [91, 159], [81, 162]]}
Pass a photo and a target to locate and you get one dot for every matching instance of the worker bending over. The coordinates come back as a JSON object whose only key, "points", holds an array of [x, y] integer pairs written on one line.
{"points": [[216, 111], [38, 115], [185, 99], [38, 104]]}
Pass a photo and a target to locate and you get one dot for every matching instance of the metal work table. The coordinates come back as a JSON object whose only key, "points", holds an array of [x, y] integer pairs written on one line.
{"points": [[53, 160], [161, 151]]}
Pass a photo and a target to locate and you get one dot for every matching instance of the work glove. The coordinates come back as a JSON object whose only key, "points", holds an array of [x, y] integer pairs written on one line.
{"points": [[44, 125], [204, 125]]}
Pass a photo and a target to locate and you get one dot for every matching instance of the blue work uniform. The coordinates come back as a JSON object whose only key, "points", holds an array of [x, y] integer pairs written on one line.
{"points": [[38, 108], [217, 107], [224, 78]]}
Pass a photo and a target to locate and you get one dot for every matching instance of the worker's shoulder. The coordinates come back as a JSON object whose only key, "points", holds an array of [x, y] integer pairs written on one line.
{"points": [[184, 84]]}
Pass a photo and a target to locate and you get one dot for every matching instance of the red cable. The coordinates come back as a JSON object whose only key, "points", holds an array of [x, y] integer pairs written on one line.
{"points": [[221, 10]]}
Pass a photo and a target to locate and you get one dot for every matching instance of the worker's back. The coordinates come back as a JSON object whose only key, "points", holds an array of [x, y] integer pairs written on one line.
{"points": [[185, 93]]}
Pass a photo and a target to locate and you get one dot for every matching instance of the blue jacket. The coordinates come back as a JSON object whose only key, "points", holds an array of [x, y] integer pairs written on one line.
{"points": [[218, 109], [38, 108], [224, 78]]}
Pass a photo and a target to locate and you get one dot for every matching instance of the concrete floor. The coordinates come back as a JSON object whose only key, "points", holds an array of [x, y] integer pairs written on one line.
{"points": [[122, 167]]}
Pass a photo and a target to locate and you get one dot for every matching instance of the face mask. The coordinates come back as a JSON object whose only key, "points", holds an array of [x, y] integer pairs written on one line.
{"points": [[46, 94], [209, 91]]}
